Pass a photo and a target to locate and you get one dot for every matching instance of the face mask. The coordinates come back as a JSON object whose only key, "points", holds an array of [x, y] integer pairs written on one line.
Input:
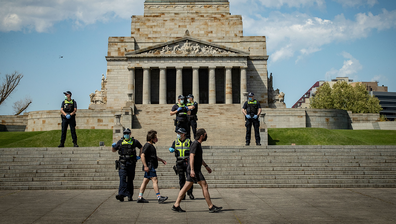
{"points": [[126, 136], [206, 138], [181, 101], [178, 136], [250, 98], [188, 100], [65, 97]]}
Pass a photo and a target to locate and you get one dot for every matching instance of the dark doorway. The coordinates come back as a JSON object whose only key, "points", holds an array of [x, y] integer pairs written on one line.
{"points": [[138, 86], [187, 82], [236, 85], [220, 85], [170, 86], [154, 86], [203, 86]]}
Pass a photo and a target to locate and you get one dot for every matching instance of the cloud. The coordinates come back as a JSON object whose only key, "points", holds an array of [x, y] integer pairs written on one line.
{"points": [[378, 78], [41, 15], [356, 3], [302, 34], [350, 67], [292, 3]]}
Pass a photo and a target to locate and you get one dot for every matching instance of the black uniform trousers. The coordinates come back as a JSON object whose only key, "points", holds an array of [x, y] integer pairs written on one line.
{"points": [[182, 167], [72, 123], [192, 124], [256, 125], [127, 175]]}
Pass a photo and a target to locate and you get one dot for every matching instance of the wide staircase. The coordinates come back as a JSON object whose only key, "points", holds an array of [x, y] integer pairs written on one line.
{"points": [[225, 124], [233, 167]]}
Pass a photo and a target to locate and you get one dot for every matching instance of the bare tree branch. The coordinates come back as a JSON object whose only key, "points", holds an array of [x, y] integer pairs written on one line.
{"points": [[21, 105], [7, 87]]}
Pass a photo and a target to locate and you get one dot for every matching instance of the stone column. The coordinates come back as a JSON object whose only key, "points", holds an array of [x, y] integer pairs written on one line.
{"points": [[212, 85], [228, 86], [146, 86], [179, 81], [162, 86], [195, 90], [131, 84], [243, 83]]}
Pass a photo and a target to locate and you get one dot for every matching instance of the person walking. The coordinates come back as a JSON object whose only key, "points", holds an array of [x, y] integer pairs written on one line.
{"points": [[194, 174], [150, 163], [192, 118], [68, 115], [126, 164], [181, 148], [252, 110]]}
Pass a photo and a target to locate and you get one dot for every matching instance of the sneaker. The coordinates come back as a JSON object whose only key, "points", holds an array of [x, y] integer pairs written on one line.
{"points": [[142, 200], [130, 199], [247, 144], [177, 209], [215, 209], [61, 145], [162, 199], [120, 197], [191, 196], [258, 144]]}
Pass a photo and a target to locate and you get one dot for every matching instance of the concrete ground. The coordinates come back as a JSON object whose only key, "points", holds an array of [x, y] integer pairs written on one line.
{"points": [[248, 205]]}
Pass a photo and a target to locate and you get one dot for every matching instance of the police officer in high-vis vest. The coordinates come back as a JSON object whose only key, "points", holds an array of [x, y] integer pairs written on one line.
{"points": [[252, 109], [192, 118], [181, 111], [68, 110], [181, 148], [126, 163]]}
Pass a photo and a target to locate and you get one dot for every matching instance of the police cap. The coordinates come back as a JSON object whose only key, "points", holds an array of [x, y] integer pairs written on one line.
{"points": [[190, 96], [181, 130], [127, 131], [67, 93], [180, 97], [251, 94]]}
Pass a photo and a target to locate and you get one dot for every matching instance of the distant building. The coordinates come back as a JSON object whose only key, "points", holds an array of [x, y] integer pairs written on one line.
{"points": [[387, 102]]}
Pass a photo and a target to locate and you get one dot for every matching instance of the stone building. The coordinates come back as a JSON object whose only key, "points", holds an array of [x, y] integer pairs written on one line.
{"points": [[183, 46]]}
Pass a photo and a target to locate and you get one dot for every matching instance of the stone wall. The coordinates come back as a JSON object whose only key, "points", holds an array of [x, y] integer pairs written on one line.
{"points": [[13, 122], [328, 118]]}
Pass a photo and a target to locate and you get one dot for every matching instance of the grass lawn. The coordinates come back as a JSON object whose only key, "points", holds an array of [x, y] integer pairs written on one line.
{"points": [[86, 137], [320, 136]]}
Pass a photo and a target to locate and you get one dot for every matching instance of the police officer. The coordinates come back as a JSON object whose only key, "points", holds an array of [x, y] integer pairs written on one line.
{"points": [[181, 111], [126, 164], [181, 148], [68, 110], [192, 118], [252, 109]]}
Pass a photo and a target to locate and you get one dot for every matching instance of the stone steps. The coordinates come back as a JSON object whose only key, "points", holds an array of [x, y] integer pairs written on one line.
{"points": [[271, 166]]}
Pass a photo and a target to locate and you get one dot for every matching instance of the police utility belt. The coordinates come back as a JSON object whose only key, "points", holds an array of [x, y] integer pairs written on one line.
{"points": [[123, 159]]}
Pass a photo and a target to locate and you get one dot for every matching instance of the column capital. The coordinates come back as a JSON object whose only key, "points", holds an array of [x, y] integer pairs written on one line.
{"points": [[229, 67], [244, 67], [131, 68], [162, 67], [195, 67], [179, 67], [146, 68], [212, 67]]}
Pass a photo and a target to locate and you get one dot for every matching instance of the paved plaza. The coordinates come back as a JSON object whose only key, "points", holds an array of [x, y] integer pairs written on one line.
{"points": [[248, 205]]}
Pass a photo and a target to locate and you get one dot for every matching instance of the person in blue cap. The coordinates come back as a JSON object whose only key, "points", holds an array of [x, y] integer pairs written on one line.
{"points": [[252, 110], [126, 163], [68, 115], [181, 148]]}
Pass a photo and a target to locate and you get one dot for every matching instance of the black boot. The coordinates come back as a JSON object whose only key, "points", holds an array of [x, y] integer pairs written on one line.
{"points": [[75, 144], [61, 145]]}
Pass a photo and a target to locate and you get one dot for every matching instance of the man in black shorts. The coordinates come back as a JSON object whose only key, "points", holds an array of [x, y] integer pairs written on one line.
{"points": [[194, 174]]}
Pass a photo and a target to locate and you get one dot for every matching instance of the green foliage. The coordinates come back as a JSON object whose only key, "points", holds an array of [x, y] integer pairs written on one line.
{"points": [[345, 97], [86, 138], [320, 136]]}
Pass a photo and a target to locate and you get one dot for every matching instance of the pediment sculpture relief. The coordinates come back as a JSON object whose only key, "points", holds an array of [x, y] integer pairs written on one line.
{"points": [[188, 48]]}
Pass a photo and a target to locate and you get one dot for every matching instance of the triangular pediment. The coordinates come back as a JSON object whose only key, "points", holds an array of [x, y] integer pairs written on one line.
{"points": [[187, 46]]}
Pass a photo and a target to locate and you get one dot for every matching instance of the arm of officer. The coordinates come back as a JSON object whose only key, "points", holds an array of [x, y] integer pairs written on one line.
{"points": [[259, 111], [206, 166], [74, 112], [192, 173]]}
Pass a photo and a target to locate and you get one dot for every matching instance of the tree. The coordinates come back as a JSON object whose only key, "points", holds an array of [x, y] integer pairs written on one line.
{"points": [[345, 97], [11, 82], [8, 86], [21, 105]]}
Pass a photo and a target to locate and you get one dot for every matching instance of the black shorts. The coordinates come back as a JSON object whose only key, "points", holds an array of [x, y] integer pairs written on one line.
{"points": [[198, 176]]}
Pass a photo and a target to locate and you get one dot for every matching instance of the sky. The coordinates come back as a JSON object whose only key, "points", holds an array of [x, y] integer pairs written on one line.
{"points": [[307, 41]]}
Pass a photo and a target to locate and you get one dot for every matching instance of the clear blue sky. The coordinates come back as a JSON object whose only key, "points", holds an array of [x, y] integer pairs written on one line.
{"points": [[307, 41]]}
